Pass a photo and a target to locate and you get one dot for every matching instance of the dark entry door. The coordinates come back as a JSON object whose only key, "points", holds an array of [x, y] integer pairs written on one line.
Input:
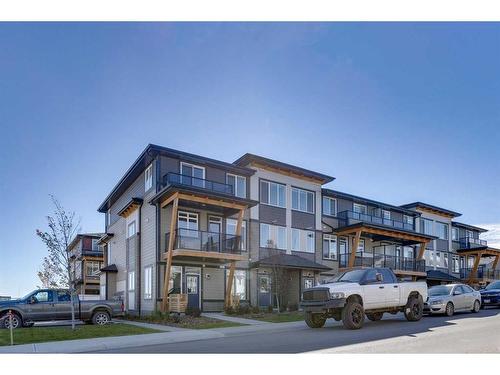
{"points": [[264, 290], [193, 290]]}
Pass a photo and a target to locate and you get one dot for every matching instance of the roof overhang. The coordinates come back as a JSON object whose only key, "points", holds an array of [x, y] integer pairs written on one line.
{"points": [[130, 207], [432, 209], [105, 238], [110, 269], [386, 233], [482, 252], [289, 261], [467, 226]]}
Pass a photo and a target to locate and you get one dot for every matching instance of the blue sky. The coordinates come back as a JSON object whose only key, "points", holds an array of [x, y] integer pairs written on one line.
{"points": [[396, 112]]}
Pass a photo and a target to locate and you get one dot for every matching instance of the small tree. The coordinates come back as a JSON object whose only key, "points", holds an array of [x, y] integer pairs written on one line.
{"points": [[280, 280], [48, 274], [62, 229]]}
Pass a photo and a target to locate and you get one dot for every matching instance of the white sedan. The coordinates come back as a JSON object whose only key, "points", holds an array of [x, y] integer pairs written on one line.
{"points": [[451, 298]]}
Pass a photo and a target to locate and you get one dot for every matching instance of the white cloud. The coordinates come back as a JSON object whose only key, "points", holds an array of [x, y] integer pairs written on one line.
{"points": [[493, 234]]}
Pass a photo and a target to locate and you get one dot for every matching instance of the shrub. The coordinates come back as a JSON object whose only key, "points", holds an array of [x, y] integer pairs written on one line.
{"points": [[255, 309], [196, 312], [175, 318], [293, 307], [229, 310], [243, 309], [270, 309]]}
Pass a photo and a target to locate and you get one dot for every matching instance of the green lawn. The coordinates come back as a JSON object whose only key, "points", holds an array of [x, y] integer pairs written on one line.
{"points": [[277, 318], [43, 334], [185, 321]]}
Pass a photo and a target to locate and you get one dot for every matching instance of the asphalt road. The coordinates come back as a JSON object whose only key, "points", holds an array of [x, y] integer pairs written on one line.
{"points": [[462, 333]]}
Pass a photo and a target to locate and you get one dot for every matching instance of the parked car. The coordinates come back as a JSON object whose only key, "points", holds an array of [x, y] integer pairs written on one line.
{"points": [[448, 299], [55, 304], [490, 296], [370, 291]]}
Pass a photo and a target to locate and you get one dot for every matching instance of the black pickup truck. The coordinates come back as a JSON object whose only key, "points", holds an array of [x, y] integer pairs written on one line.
{"points": [[55, 304]]}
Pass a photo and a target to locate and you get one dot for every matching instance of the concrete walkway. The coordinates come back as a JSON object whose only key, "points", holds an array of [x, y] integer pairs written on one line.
{"points": [[234, 319], [159, 327]]}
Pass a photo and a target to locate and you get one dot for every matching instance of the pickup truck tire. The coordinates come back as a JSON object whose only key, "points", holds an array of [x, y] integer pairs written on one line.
{"points": [[353, 315], [450, 309], [315, 320], [100, 318], [17, 321], [414, 309], [375, 316]]}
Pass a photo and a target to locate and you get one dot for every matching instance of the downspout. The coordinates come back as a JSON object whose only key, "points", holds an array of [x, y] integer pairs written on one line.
{"points": [[139, 269]]}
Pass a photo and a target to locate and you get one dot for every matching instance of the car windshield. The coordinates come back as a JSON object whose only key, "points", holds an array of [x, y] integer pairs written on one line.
{"points": [[353, 276], [440, 290], [495, 285]]}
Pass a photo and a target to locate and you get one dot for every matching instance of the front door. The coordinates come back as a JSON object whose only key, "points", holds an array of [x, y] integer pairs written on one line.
{"points": [[264, 288], [193, 290]]}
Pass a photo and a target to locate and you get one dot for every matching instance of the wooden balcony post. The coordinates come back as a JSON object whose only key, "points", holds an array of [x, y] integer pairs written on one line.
{"points": [[423, 245], [495, 262], [473, 272], [354, 249], [239, 225], [170, 249], [229, 287]]}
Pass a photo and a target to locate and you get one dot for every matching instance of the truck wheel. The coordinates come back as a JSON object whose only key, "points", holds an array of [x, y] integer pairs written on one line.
{"points": [[353, 315], [375, 316], [17, 321], [315, 320], [414, 309], [101, 318], [450, 309]]}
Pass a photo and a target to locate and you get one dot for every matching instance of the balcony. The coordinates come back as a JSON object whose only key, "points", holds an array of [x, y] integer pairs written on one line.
{"points": [[351, 217], [200, 243], [472, 243], [482, 273], [396, 263], [195, 182]]}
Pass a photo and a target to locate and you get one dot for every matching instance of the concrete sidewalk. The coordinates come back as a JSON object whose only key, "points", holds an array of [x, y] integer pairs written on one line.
{"points": [[119, 342], [234, 319]]}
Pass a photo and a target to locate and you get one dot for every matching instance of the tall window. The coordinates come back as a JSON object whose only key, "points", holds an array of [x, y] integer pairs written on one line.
{"points": [[455, 264], [95, 244], [470, 234], [131, 230], [361, 245], [302, 200], [239, 284], [303, 240], [359, 208], [192, 175], [426, 226], [92, 268], [148, 178], [231, 225], [272, 193], [329, 206], [407, 219], [148, 282], [454, 234], [238, 183], [110, 257], [131, 290], [272, 236], [330, 246], [442, 230], [188, 224]]}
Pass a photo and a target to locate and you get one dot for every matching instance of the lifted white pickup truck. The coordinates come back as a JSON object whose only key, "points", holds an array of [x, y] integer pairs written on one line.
{"points": [[370, 291]]}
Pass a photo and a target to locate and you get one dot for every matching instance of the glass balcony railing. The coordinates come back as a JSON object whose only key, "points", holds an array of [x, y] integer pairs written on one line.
{"points": [[200, 183], [351, 217], [471, 243], [481, 273], [380, 260], [205, 241]]}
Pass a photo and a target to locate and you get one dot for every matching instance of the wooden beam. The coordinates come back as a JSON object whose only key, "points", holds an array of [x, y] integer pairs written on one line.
{"points": [[354, 249], [287, 173], [383, 232], [239, 225], [168, 266], [229, 288], [421, 252], [212, 201], [495, 262], [170, 199], [472, 274], [226, 257]]}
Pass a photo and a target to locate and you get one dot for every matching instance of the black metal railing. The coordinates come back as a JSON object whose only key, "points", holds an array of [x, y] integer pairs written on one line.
{"points": [[205, 241], [481, 273], [351, 217], [471, 243], [181, 179], [380, 260]]}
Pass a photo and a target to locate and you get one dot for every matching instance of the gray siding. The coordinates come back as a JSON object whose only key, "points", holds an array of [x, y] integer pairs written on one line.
{"points": [[303, 220], [272, 215], [441, 245]]}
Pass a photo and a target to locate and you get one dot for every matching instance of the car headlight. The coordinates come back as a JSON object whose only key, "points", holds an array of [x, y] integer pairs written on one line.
{"points": [[437, 302], [337, 295]]}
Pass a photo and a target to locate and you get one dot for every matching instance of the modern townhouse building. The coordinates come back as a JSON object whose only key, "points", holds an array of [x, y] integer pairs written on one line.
{"points": [[183, 224], [87, 259]]}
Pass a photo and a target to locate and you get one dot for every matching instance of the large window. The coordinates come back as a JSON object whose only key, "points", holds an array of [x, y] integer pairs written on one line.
{"points": [[454, 234], [148, 178], [426, 226], [455, 265], [303, 240], [238, 183], [272, 193], [188, 224], [95, 244], [302, 200], [442, 230], [148, 282], [329, 206], [272, 236], [192, 175], [92, 268], [231, 229], [239, 284], [359, 208], [330, 246]]}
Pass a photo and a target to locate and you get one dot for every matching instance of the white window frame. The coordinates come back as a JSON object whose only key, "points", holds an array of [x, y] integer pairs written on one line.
{"points": [[422, 224], [148, 282], [407, 219], [273, 231], [357, 205], [301, 240], [447, 234], [96, 242], [191, 217], [329, 205], [234, 222], [108, 248], [455, 261], [148, 177], [183, 163], [236, 191], [455, 230], [301, 195], [131, 290], [90, 264], [361, 246], [469, 234], [330, 238], [239, 273], [278, 186], [129, 225]]}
